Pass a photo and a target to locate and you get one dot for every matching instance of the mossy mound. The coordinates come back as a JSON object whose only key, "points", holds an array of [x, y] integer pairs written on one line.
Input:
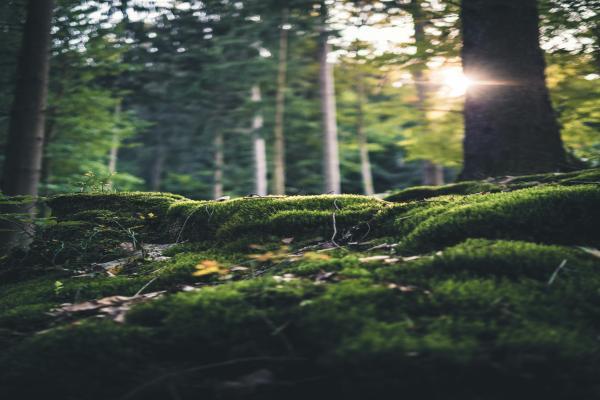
{"points": [[590, 176], [483, 296], [267, 217]]}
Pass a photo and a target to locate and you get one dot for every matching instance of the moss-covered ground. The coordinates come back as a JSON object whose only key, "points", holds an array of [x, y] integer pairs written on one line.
{"points": [[478, 290]]}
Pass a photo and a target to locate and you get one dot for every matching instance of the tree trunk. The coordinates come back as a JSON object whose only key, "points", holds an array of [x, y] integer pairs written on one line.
{"points": [[218, 173], [260, 166], [510, 126], [331, 162], [259, 146], [26, 132], [432, 174], [25, 142], [279, 153], [365, 164], [113, 155], [158, 166]]}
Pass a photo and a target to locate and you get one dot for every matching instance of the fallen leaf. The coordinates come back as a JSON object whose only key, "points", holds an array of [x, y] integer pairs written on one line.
{"points": [[284, 278], [373, 259], [209, 267], [314, 256], [325, 276]]}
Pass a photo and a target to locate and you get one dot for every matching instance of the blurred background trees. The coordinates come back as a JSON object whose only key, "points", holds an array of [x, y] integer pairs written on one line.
{"points": [[157, 95]]}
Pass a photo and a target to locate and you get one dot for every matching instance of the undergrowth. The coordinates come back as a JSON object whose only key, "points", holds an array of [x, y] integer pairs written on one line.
{"points": [[487, 295]]}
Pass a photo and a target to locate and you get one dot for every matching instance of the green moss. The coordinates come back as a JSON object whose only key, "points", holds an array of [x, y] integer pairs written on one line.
{"points": [[271, 216], [467, 322], [590, 176], [476, 315], [553, 214], [426, 192], [64, 206]]}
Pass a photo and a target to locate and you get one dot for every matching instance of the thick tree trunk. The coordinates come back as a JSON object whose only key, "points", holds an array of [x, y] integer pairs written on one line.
{"points": [[279, 153], [26, 132], [25, 143], [365, 163], [331, 162], [432, 173], [510, 127], [218, 167], [259, 147]]}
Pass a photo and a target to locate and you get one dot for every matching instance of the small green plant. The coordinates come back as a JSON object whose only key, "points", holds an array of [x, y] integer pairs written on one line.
{"points": [[92, 182], [58, 288]]}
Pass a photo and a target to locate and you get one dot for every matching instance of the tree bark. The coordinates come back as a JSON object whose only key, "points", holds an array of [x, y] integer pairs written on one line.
{"points": [[219, 162], [279, 153], [365, 163], [158, 166], [331, 162], [259, 147], [432, 173], [113, 155], [510, 126], [25, 142], [23, 163]]}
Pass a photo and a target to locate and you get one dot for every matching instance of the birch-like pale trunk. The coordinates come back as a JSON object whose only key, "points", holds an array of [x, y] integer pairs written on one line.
{"points": [[113, 154], [259, 147], [279, 150], [218, 167], [331, 161], [365, 163]]}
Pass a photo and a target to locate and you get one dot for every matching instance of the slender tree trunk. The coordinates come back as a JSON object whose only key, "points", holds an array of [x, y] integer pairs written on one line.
{"points": [[113, 155], [510, 126], [25, 143], [365, 164], [260, 148], [279, 153], [432, 173], [46, 174], [331, 161], [219, 163], [260, 166], [158, 166]]}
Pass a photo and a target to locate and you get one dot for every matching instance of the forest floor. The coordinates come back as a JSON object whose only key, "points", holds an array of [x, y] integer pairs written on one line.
{"points": [[477, 290]]}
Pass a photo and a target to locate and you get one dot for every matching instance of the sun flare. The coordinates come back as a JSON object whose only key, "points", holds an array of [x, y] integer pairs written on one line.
{"points": [[455, 83]]}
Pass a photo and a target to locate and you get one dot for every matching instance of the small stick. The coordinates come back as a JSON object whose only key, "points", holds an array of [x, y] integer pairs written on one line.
{"points": [[556, 271]]}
